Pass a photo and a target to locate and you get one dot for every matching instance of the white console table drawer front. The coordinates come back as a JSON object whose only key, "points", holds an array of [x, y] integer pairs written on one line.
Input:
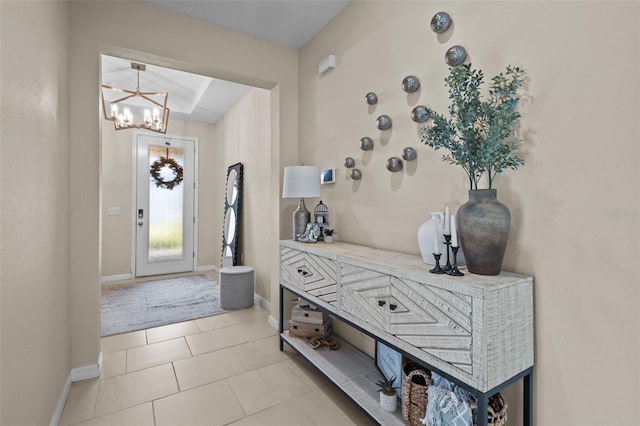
{"points": [[314, 274], [436, 321]]}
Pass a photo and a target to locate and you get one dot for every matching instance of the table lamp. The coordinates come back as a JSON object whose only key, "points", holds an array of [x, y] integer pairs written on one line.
{"points": [[300, 182]]}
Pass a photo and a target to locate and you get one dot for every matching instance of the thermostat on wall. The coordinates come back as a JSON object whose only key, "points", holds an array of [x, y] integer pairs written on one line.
{"points": [[327, 64]]}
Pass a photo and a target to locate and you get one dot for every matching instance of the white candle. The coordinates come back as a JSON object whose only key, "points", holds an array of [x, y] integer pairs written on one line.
{"points": [[447, 221], [454, 232], [436, 240]]}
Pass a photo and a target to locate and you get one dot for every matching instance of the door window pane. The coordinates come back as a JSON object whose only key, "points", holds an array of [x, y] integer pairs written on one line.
{"points": [[165, 209]]}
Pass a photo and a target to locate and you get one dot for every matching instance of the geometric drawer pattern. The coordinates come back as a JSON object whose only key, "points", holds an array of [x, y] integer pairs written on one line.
{"points": [[434, 320], [315, 275]]}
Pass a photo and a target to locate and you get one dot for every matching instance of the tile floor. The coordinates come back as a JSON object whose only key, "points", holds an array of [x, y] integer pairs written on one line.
{"points": [[221, 370]]}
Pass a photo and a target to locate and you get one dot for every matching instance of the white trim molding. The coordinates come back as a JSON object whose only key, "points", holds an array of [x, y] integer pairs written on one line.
{"points": [[85, 372], [112, 278]]}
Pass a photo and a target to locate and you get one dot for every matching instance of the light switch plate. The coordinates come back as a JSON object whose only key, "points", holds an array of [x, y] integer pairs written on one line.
{"points": [[113, 211]]}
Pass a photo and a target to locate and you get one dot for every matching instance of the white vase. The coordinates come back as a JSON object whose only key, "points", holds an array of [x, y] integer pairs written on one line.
{"points": [[426, 236], [388, 402]]}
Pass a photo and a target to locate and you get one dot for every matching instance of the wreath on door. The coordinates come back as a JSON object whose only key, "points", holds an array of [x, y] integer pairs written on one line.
{"points": [[173, 165]]}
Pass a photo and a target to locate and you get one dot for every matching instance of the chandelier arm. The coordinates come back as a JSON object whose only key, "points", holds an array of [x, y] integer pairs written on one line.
{"points": [[142, 95]]}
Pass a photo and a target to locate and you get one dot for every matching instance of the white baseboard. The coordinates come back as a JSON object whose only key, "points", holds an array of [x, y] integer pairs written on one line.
{"points": [[259, 300], [87, 371], [76, 374], [57, 414], [273, 322], [111, 278], [204, 268]]}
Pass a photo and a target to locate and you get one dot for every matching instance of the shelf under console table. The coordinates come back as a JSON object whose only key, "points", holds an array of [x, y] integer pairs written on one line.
{"points": [[474, 330]]}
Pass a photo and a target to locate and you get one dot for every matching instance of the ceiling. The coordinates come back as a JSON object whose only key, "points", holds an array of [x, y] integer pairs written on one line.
{"points": [[204, 99]]}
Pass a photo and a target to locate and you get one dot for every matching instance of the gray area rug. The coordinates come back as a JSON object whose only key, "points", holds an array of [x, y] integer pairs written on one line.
{"points": [[148, 304]]}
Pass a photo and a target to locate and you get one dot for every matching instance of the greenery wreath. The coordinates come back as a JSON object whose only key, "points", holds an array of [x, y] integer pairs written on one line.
{"points": [[173, 165]]}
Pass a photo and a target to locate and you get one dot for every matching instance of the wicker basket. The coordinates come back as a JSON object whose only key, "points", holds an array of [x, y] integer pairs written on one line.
{"points": [[414, 393], [496, 411]]}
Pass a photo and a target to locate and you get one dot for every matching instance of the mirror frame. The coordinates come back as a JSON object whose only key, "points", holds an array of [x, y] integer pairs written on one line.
{"points": [[235, 206]]}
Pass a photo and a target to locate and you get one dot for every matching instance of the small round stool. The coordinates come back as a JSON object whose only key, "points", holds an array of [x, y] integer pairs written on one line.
{"points": [[236, 287]]}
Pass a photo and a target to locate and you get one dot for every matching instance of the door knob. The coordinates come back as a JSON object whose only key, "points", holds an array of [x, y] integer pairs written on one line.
{"points": [[140, 223]]}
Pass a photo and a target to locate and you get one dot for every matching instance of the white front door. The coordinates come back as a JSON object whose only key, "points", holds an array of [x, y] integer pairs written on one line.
{"points": [[164, 212]]}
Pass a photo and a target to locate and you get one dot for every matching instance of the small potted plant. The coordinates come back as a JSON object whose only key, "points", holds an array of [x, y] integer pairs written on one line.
{"points": [[328, 235], [388, 394]]}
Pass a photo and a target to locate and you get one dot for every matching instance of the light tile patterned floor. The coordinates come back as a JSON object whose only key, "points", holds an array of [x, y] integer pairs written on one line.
{"points": [[221, 370]]}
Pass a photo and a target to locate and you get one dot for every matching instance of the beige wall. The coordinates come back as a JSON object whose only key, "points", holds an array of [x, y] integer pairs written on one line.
{"points": [[244, 135], [34, 212], [153, 35], [117, 170], [575, 203]]}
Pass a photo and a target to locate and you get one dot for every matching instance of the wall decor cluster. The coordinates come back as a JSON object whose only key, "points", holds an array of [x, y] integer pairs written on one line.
{"points": [[454, 57]]}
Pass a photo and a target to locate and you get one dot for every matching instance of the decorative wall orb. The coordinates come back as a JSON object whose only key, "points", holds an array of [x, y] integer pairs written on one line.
{"points": [[455, 56], [371, 98], [394, 164], [410, 84], [349, 162], [383, 122], [409, 154], [440, 22], [356, 174], [366, 143], [420, 114]]}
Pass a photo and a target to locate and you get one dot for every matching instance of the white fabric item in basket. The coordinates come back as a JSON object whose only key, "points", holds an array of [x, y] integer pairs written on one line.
{"points": [[448, 404]]}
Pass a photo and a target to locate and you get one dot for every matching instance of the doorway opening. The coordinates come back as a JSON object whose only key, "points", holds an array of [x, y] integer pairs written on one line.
{"points": [[216, 145]]}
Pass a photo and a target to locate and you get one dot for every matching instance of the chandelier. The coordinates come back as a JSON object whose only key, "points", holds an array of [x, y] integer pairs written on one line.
{"points": [[136, 109]]}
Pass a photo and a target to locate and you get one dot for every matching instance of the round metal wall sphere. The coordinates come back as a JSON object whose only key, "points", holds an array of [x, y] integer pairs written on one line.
{"points": [[455, 56], [383, 122], [440, 22], [356, 174], [366, 143], [409, 154], [410, 84], [420, 114], [349, 162], [371, 98], [394, 164]]}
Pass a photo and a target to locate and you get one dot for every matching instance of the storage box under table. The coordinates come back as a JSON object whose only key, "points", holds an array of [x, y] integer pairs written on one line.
{"points": [[303, 314], [301, 329]]}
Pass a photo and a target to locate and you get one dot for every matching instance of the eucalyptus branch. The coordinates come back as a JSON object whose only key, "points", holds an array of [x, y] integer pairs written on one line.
{"points": [[479, 134]]}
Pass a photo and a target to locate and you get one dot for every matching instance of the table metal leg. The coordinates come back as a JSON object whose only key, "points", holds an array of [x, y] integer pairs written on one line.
{"points": [[281, 319], [483, 403], [528, 399]]}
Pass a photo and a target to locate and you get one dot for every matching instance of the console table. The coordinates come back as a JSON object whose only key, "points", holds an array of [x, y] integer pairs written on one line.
{"points": [[475, 330]]}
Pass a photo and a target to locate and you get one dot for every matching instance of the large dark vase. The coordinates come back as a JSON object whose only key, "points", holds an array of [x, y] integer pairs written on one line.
{"points": [[483, 223]]}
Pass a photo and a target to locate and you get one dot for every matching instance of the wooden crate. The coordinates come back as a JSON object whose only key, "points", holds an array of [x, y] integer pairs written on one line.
{"points": [[301, 329], [302, 314]]}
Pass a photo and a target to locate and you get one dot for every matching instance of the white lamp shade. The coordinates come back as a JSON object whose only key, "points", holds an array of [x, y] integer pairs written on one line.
{"points": [[301, 182]]}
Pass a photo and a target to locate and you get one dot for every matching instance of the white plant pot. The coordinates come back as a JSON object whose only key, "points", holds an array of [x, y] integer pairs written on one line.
{"points": [[328, 238], [388, 402]]}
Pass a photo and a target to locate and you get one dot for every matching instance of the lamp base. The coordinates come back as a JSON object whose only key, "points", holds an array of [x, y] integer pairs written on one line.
{"points": [[301, 216]]}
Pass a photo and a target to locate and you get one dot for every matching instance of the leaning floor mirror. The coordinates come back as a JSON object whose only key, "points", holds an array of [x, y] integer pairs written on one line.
{"points": [[231, 229]]}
